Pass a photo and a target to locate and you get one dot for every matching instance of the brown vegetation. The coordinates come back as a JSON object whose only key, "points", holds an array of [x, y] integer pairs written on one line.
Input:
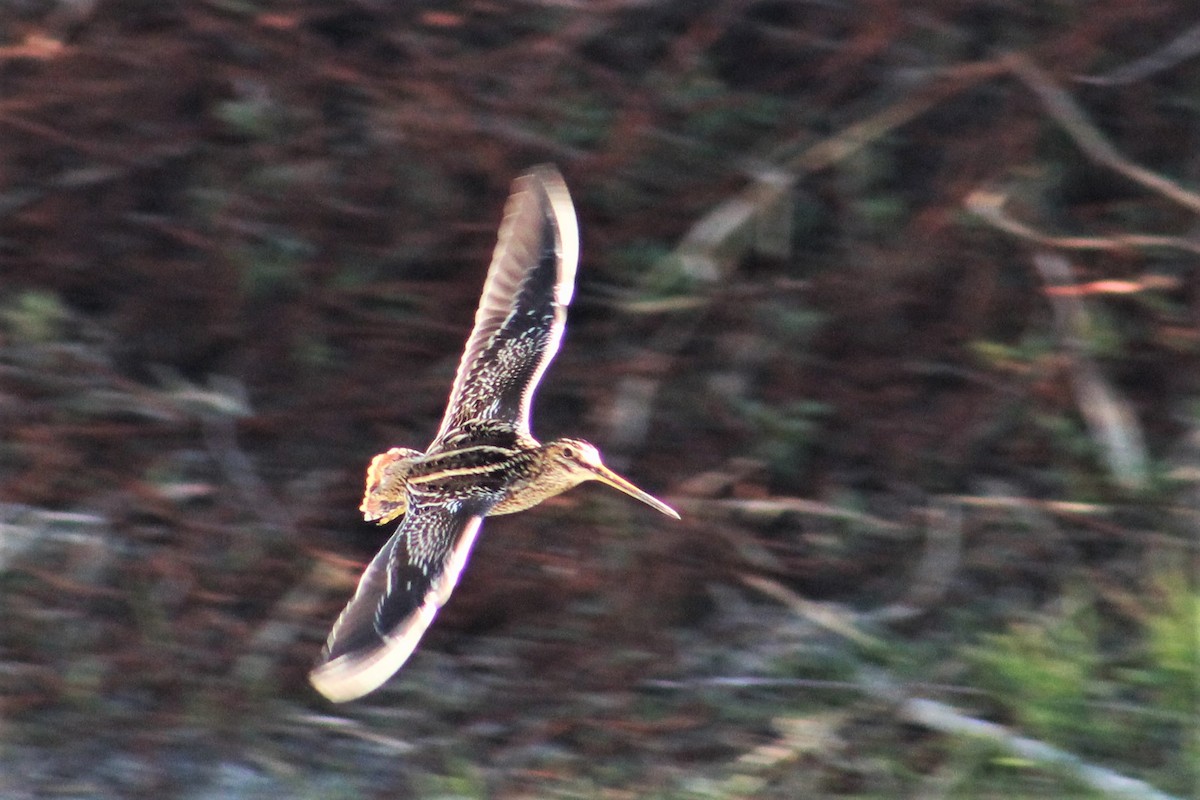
{"points": [[894, 301]]}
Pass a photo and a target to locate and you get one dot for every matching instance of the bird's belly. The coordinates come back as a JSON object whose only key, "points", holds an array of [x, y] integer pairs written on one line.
{"points": [[531, 486], [519, 497]]}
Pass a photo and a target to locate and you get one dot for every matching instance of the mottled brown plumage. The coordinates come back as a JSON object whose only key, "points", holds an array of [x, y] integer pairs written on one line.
{"points": [[483, 461]]}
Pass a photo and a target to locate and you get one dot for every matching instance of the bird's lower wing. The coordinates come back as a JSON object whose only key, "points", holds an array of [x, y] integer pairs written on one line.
{"points": [[397, 598]]}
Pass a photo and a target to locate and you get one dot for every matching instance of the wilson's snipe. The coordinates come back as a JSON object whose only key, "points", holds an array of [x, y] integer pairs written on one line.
{"points": [[484, 460]]}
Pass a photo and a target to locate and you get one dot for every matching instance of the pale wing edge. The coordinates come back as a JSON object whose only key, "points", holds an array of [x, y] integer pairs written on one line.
{"points": [[510, 265], [567, 227], [353, 675]]}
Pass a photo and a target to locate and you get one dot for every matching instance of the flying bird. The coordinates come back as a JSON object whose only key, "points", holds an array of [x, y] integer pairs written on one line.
{"points": [[483, 461]]}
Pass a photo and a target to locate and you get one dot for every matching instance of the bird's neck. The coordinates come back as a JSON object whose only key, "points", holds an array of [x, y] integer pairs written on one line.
{"points": [[536, 476]]}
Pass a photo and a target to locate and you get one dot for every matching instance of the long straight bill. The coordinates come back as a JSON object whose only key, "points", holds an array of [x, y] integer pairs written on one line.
{"points": [[606, 475]]}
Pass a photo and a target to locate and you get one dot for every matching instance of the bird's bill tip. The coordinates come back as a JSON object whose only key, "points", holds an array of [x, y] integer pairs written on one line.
{"points": [[607, 476]]}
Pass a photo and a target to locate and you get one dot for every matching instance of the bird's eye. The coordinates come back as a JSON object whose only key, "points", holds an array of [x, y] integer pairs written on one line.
{"points": [[570, 452]]}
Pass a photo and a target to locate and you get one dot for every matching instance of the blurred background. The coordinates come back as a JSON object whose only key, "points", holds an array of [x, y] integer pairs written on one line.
{"points": [[894, 301]]}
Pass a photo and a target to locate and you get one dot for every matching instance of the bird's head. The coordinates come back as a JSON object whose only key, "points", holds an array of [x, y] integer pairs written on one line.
{"points": [[580, 461]]}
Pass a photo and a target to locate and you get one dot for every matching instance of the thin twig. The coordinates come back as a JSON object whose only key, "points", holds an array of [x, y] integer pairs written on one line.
{"points": [[939, 562], [220, 437], [285, 623], [830, 616], [774, 507], [1015, 501], [1109, 416], [946, 719], [1178, 50], [714, 239], [355, 729], [721, 237], [989, 206], [768, 682], [1063, 108]]}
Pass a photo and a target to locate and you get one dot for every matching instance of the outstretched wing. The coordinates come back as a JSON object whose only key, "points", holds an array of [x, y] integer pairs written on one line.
{"points": [[397, 598], [523, 309]]}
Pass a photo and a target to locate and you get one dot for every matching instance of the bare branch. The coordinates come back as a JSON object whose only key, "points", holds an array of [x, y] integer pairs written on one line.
{"points": [[1108, 415], [1063, 108], [1178, 50], [989, 206], [946, 719]]}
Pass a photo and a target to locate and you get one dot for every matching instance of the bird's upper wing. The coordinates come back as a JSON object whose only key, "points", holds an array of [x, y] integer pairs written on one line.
{"points": [[397, 597], [523, 309]]}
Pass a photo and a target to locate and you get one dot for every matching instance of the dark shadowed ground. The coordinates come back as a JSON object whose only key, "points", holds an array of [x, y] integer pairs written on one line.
{"points": [[895, 301]]}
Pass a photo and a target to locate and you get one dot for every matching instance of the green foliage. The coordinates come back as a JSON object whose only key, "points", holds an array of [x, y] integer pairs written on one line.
{"points": [[976, 769], [584, 123], [273, 265], [784, 434], [729, 123], [795, 325], [1013, 358], [376, 141], [710, 118], [653, 268], [237, 7], [1056, 678], [1101, 334], [1169, 670], [1078, 456], [312, 349], [1044, 670], [881, 213], [1173, 645], [254, 116], [34, 317], [462, 780], [871, 179]]}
